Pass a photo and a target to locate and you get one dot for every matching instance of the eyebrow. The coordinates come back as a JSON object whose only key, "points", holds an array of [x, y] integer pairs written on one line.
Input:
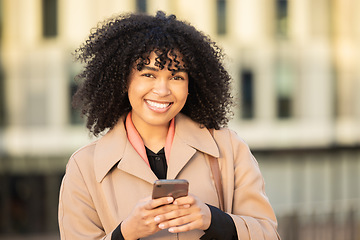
{"points": [[157, 69], [150, 68]]}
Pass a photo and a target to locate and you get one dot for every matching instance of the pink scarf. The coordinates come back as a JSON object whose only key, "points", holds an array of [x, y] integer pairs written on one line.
{"points": [[138, 144]]}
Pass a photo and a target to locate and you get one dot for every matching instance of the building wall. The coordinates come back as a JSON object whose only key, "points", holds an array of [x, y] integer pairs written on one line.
{"points": [[296, 75], [314, 64]]}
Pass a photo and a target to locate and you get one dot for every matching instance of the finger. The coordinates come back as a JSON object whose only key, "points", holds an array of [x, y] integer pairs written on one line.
{"points": [[178, 219], [154, 203], [169, 211], [165, 209], [182, 210], [174, 213], [182, 224], [188, 200], [183, 228]]}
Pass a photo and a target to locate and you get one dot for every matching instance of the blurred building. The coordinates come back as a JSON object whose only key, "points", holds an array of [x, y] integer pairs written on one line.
{"points": [[296, 70]]}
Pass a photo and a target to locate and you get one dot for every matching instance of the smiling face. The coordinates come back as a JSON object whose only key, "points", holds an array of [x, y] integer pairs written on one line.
{"points": [[156, 95]]}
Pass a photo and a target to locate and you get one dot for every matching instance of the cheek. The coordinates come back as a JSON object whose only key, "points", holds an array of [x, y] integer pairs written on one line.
{"points": [[183, 93], [186, 90], [133, 95], [136, 90]]}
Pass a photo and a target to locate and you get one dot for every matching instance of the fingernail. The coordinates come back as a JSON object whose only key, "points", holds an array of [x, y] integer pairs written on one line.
{"points": [[161, 225], [171, 230], [157, 219], [170, 199]]}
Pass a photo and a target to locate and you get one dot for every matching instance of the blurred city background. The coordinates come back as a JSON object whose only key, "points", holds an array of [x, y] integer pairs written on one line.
{"points": [[296, 71]]}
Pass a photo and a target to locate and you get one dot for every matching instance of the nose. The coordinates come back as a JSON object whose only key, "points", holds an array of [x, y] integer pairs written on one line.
{"points": [[161, 87]]}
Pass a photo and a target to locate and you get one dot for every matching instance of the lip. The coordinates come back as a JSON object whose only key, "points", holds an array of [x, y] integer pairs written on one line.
{"points": [[158, 106]]}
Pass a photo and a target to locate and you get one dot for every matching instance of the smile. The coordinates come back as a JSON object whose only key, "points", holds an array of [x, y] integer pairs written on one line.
{"points": [[157, 104]]}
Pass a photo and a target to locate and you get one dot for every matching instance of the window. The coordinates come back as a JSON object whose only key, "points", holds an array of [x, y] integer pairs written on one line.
{"points": [[281, 17], [141, 6], [74, 114], [49, 18], [221, 17], [36, 77], [284, 90], [247, 94]]}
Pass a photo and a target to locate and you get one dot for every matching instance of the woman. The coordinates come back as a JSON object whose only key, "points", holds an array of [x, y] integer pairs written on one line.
{"points": [[156, 86]]}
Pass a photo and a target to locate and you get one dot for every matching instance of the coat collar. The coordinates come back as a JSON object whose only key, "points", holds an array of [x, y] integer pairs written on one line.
{"points": [[189, 138], [115, 147]]}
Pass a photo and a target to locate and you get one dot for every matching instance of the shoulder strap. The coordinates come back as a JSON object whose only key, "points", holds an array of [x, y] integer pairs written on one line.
{"points": [[216, 174]]}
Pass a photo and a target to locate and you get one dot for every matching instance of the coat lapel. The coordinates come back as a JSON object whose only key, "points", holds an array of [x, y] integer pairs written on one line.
{"points": [[115, 147], [133, 164], [188, 139], [180, 154]]}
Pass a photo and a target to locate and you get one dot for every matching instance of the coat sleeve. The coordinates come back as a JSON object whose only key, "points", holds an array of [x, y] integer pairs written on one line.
{"points": [[77, 215], [251, 210]]}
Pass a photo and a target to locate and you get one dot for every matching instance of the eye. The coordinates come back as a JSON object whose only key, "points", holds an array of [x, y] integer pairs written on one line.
{"points": [[149, 75], [178, 78]]}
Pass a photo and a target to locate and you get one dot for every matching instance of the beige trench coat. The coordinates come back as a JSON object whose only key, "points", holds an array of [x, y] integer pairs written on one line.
{"points": [[105, 179]]}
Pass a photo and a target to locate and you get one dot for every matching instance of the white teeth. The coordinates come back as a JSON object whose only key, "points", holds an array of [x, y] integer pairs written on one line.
{"points": [[157, 105]]}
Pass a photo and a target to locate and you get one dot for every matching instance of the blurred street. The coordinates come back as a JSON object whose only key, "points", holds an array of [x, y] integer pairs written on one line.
{"points": [[296, 84]]}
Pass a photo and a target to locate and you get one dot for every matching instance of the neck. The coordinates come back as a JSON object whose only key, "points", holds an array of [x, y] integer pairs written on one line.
{"points": [[154, 137]]}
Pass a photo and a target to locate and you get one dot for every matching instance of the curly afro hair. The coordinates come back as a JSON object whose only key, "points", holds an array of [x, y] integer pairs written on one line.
{"points": [[126, 41]]}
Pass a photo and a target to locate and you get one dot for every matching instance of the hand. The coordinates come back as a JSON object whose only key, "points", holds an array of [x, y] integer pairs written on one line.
{"points": [[191, 214], [140, 223]]}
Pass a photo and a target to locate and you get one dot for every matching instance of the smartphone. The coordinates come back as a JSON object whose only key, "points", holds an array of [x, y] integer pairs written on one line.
{"points": [[170, 188]]}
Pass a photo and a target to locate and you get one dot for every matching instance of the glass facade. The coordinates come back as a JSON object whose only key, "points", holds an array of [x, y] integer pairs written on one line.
{"points": [[221, 17], [284, 89], [281, 8], [49, 18], [141, 6], [247, 94]]}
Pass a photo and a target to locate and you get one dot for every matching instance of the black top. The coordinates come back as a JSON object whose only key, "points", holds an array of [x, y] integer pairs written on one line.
{"points": [[222, 225], [157, 162]]}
